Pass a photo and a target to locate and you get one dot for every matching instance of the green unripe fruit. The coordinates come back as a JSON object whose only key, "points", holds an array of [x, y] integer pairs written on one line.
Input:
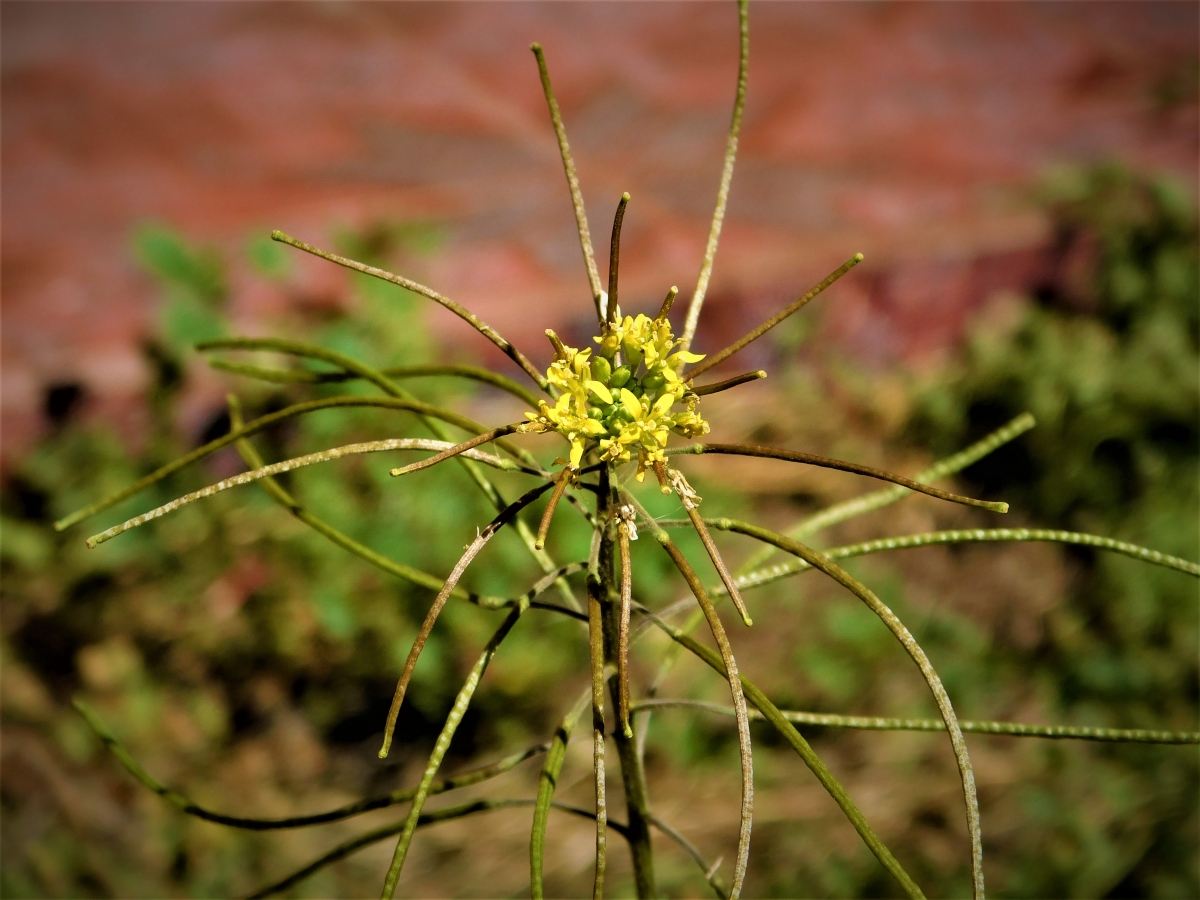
{"points": [[620, 377], [633, 355], [595, 413], [601, 369], [653, 381]]}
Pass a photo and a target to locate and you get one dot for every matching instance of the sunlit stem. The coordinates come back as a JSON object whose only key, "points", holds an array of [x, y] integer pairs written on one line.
{"points": [[731, 147], [614, 259], [623, 629], [581, 223], [457, 449], [718, 386], [473, 549], [690, 500], [599, 577], [560, 485], [714, 359], [825, 462], [547, 784], [665, 309]]}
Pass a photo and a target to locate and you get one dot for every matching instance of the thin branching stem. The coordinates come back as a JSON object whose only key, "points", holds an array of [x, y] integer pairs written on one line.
{"points": [[967, 775], [717, 386], [581, 223], [547, 784], [462, 312], [431, 617], [731, 147], [1006, 729], [755, 450], [735, 687], [866, 503], [709, 869], [255, 426], [341, 851], [462, 448], [185, 805], [720, 356], [788, 731], [614, 260], [306, 376]]}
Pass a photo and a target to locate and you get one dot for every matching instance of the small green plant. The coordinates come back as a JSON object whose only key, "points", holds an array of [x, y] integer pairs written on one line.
{"points": [[613, 408]]}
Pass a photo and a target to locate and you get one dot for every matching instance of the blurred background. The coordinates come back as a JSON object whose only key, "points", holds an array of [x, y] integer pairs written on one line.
{"points": [[1022, 181]]}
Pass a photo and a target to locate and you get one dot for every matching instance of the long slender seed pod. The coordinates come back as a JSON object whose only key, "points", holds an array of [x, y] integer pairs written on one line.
{"points": [[560, 485], [1004, 729], [462, 312], [281, 496], [825, 462], [450, 452], [547, 784], [581, 223], [788, 731], [255, 426], [623, 628], [185, 805], [735, 689], [735, 381], [435, 610], [967, 775], [596, 660], [299, 462], [866, 503], [731, 147], [665, 309], [614, 259], [306, 376], [714, 359], [341, 851], [457, 711]]}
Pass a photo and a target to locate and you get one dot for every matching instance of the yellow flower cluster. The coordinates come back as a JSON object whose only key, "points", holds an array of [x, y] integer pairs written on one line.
{"points": [[622, 400]]}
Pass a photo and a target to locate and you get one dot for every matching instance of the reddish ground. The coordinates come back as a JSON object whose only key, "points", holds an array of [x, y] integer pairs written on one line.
{"points": [[909, 131]]}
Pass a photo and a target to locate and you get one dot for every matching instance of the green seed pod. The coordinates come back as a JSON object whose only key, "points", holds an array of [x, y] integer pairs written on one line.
{"points": [[653, 381], [601, 369], [595, 413], [619, 377], [633, 355]]}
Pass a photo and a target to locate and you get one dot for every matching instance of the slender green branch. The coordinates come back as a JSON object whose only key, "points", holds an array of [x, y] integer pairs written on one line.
{"points": [[717, 386], [1009, 729], [305, 376], [581, 223], [722, 355], [504, 518], [731, 147], [709, 869], [735, 687], [462, 312], [183, 804], [822, 562], [866, 503], [255, 426], [341, 851], [457, 711], [463, 448], [825, 462], [547, 784], [788, 731]]}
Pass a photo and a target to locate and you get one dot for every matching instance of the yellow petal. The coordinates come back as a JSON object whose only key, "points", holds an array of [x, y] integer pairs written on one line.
{"points": [[631, 403], [576, 453], [600, 391]]}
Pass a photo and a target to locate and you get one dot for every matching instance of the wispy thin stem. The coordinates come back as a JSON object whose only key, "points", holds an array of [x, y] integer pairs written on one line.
{"points": [[735, 381], [866, 503], [731, 147], [547, 784], [709, 869], [735, 687], [473, 549], [462, 312], [307, 376], [462, 448], [1008, 729], [825, 462], [185, 805], [614, 259], [341, 851], [581, 223], [803, 749], [255, 426], [714, 359], [823, 563]]}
